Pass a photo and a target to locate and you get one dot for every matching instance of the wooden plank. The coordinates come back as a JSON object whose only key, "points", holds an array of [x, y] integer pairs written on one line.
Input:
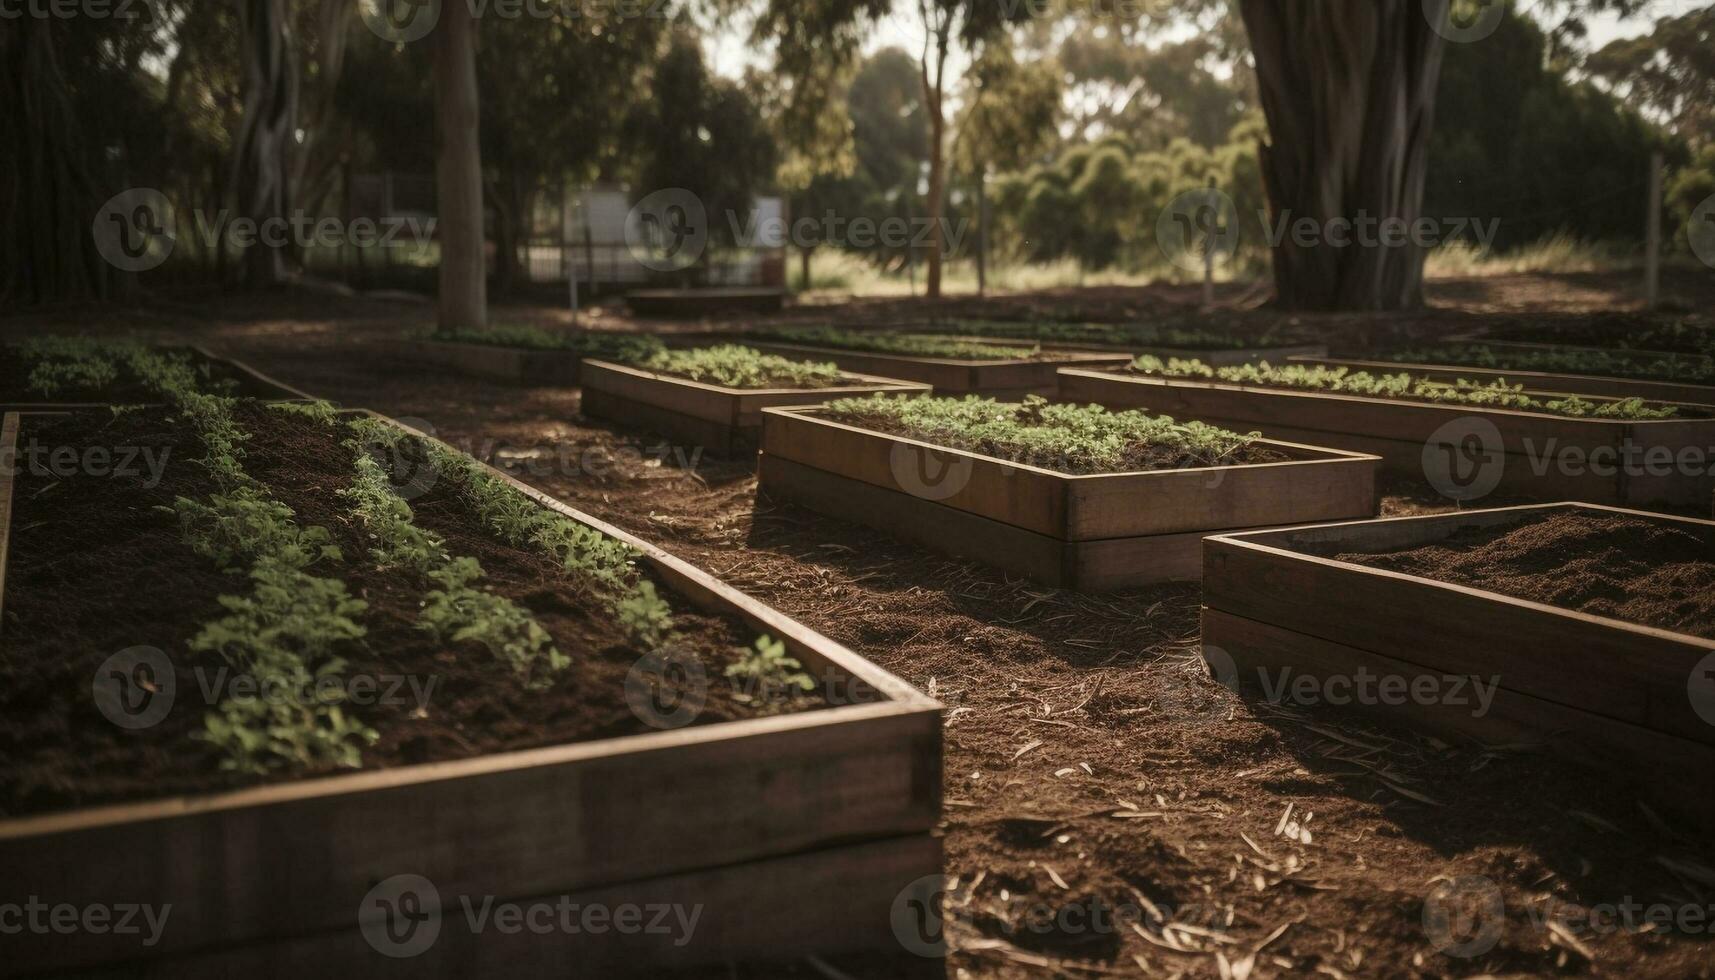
{"points": [[826, 903], [263, 386], [947, 375], [9, 466], [1560, 383], [1108, 565], [1317, 485], [942, 528], [292, 858], [1546, 456], [1676, 769], [1619, 670], [688, 430]]}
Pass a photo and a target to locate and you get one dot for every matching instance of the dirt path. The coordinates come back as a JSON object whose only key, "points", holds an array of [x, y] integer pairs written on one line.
{"points": [[1098, 784]]}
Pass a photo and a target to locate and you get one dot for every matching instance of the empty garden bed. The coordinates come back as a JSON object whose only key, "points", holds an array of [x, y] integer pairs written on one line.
{"points": [[1590, 628], [1470, 440], [713, 397], [578, 717], [1042, 490]]}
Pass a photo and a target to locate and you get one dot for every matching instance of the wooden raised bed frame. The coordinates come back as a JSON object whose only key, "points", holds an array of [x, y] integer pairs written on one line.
{"points": [[795, 833], [727, 421], [1398, 431], [999, 378], [260, 385], [1606, 689], [510, 365], [1601, 386], [1096, 532]]}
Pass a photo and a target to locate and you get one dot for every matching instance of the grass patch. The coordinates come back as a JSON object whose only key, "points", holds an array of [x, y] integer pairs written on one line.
{"points": [[1404, 387], [1075, 439]]}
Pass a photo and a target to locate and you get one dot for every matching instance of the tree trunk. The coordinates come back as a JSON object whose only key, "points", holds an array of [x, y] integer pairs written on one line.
{"points": [[262, 153], [458, 171], [937, 189], [804, 252], [1348, 87], [46, 250]]}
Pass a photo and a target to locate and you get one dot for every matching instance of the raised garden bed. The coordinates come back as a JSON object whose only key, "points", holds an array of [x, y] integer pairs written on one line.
{"points": [[1209, 346], [789, 816], [953, 366], [1590, 624], [1082, 523], [85, 373], [1550, 371], [685, 304], [1527, 453], [521, 355], [719, 414]]}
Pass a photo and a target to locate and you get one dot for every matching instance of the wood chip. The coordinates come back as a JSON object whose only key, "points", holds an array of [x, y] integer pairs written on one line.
{"points": [[1028, 746]]}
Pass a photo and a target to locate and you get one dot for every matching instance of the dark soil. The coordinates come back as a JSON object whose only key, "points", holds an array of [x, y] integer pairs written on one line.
{"points": [[1619, 331], [217, 376], [96, 568], [1651, 573], [1107, 681], [1138, 457]]}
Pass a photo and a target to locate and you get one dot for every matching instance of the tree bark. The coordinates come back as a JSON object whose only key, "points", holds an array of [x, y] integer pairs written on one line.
{"points": [[458, 171], [46, 250], [1348, 87], [261, 174], [938, 37]]}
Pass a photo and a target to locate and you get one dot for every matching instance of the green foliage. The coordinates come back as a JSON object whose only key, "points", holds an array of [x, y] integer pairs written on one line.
{"points": [[879, 342], [1692, 369], [766, 673], [316, 411], [735, 366], [645, 615], [285, 631], [601, 345], [455, 609], [1405, 386], [458, 612], [1068, 438], [59, 364]]}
